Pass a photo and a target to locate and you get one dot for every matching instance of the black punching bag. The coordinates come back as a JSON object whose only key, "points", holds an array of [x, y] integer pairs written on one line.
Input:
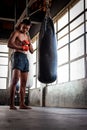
{"points": [[47, 52]]}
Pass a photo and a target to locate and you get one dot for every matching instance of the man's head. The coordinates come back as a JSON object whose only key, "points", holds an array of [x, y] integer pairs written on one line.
{"points": [[25, 25], [26, 22]]}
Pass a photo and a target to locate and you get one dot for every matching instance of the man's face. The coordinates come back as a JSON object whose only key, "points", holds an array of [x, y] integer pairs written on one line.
{"points": [[25, 28]]}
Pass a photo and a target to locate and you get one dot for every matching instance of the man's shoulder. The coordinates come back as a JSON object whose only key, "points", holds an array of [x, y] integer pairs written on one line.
{"points": [[16, 32]]}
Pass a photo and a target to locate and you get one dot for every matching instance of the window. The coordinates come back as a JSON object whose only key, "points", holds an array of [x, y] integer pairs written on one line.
{"points": [[63, 55], [63, 73], [36, 83], [78, 47], [63, 32], [86, 21], [55, 27], [3, 65], [86, 43], [34, 69], [86, 4], [3, 71], [77, 69], [63, 41], [76, 9], [77, 32], [77, 22], [3, 83], [71, 42], [63, 21]]}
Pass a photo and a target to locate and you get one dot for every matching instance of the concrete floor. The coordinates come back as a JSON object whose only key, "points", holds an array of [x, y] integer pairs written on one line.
{"points": [[43, 118]]}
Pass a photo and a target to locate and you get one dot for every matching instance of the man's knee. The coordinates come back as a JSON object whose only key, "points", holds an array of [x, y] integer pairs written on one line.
{"points": [[15, 81]]}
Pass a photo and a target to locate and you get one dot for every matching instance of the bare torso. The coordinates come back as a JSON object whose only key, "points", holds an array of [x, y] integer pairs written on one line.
{"points": [[18, 41]]}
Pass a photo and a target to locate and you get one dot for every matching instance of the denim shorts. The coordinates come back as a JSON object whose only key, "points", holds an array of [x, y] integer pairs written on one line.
{"points": [[20, 61]]}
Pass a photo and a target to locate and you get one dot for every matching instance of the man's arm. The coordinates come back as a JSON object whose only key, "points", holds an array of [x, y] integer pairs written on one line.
{"points": [[12, 41], [31, 48], [30, 44]]}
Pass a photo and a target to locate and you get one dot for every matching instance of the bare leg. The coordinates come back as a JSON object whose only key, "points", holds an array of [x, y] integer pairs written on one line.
{"points": [[22, 91], [15, 78]]}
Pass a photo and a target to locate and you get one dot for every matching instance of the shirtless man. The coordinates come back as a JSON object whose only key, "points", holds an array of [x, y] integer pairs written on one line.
{"points": [[20, 42]]}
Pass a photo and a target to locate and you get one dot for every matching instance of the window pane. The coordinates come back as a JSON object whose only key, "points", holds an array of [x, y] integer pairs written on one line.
{"points": [[63, 21], [77, 22], [77, 32], [2, 83], [63, 41], [63, 55], [77, 47], [38, 83], [34, 45], [76, 9], [3, 48], [63, 74], [63, 32], [34, 69], [86, 4], [55, 27], [34, 57], [34, 83], [3, 71], [77, 69], [86, 21], [3, 65], [86, 43], [3, 55], [86, 26], [3, 61], [86, 15]]}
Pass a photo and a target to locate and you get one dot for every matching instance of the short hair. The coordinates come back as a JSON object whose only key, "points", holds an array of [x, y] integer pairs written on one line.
{"points": [[26, 21]]}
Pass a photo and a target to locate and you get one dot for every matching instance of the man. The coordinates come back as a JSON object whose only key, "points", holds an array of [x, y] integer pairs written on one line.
{"points": [[20, 42]]}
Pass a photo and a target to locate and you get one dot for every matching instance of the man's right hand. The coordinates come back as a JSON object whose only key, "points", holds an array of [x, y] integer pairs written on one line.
{"points": [[25, 42], [25, 47]]}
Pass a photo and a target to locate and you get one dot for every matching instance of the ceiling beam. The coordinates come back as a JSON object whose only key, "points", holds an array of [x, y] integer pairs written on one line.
{"points": [[24, 12], [7, 19]]}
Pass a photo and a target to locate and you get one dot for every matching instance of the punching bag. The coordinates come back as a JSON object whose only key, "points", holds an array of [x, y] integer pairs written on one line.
{"points": [[47, 52]]}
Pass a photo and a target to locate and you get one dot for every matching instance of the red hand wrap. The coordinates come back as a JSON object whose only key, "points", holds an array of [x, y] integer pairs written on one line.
{"points": [[26, 42], [25, 48]]}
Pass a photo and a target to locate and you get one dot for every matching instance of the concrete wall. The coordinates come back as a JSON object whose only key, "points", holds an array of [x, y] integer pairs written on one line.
{"points": [[72, 94], [4, 97], [34, 97]]}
